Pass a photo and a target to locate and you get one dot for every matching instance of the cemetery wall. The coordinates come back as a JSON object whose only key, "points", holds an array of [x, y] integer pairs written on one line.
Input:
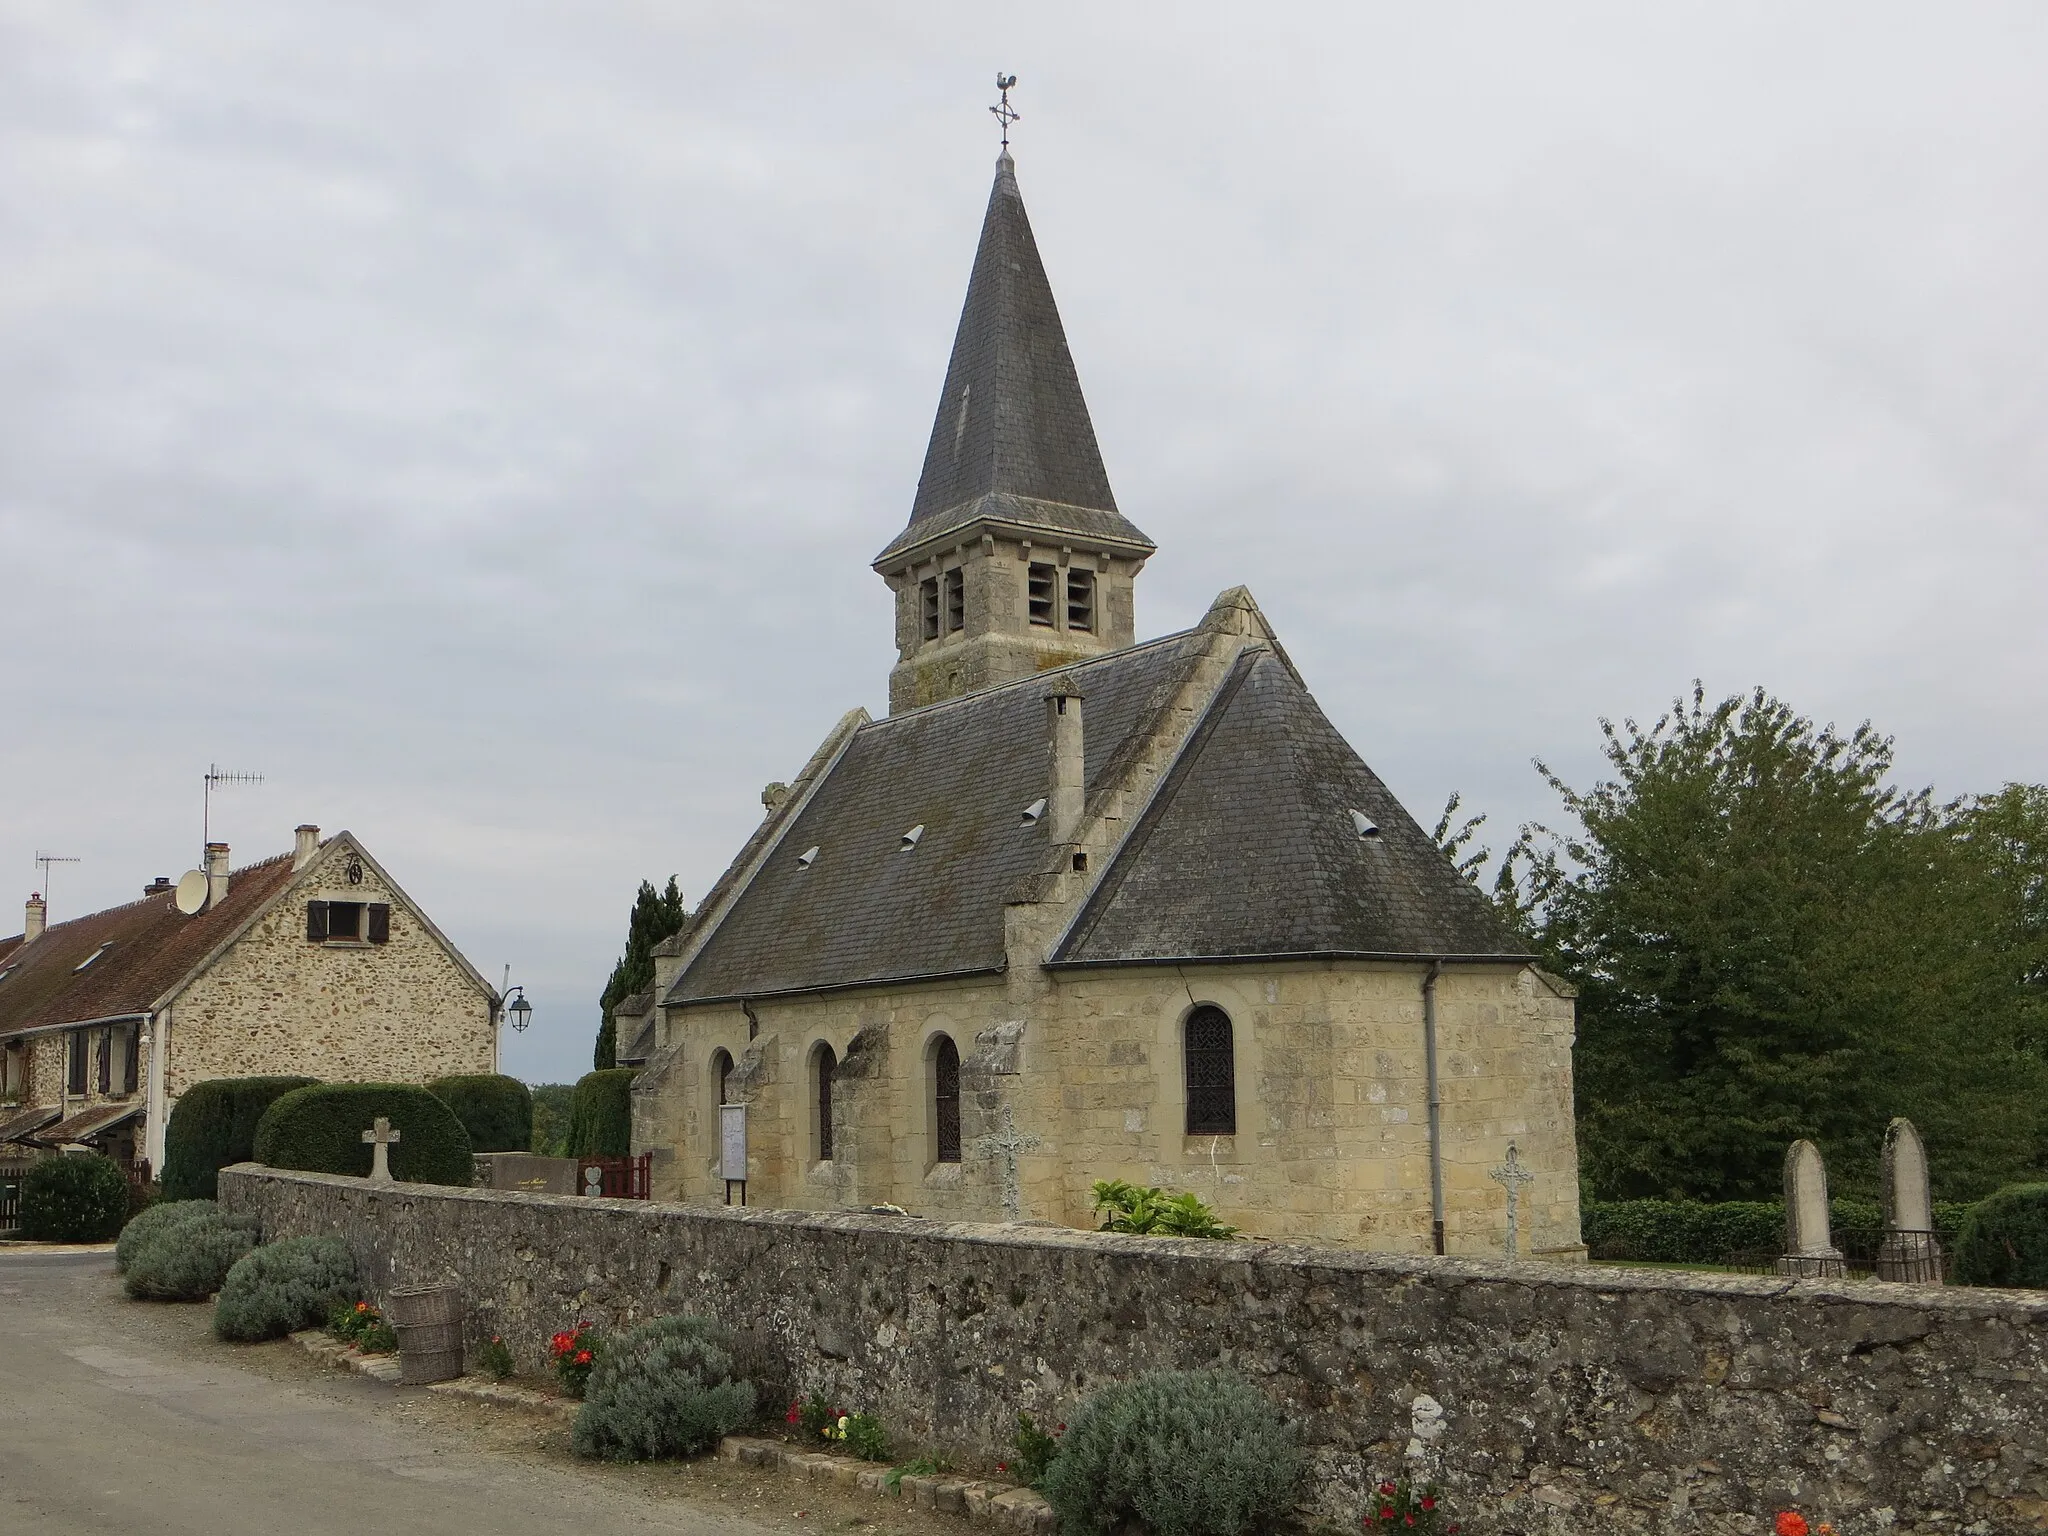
{"points": [[1571, 1399]]}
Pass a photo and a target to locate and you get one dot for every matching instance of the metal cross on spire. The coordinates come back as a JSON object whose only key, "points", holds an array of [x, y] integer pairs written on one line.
{"points": [[1005, 113]]}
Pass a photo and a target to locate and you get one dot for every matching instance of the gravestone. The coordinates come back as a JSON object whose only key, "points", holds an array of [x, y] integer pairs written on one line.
{"points": [[380, 1136], [1810, 1251], [1910, 1250]]}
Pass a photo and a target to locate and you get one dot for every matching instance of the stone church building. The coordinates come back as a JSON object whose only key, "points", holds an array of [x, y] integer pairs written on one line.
{"points": [[1083, 907]]}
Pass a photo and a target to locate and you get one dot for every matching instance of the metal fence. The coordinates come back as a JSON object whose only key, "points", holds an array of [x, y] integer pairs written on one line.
{"points": [[1868, 1253], [621, 1178], [11, 1175]]}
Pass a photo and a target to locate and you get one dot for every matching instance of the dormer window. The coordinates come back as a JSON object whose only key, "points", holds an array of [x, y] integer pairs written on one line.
{"points": [[1080, 599], [1039, 592], [911, 838], [88, 960], [956, 600]]}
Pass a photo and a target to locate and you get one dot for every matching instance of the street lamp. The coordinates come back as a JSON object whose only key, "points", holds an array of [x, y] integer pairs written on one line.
{"points": [[515, 1003]]}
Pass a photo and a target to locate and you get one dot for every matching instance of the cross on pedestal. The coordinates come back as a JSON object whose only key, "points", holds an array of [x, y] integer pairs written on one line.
{"points": [[380, 1136], [1512, 1176], [1007, 1143]]}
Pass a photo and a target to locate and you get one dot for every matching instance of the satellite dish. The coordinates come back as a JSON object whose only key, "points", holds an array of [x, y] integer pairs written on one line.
{"points": [[191, 896]]}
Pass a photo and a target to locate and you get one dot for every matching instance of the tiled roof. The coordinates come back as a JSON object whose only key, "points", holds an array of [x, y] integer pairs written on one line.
{"points": [[1250, 848], [866, 910], [89, 1122], [1012, 438], [150, 946], [21, 1126]]}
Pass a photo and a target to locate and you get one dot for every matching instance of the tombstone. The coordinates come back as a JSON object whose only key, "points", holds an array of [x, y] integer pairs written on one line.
{"points": [[1910, 1250], [380, 1136], [1810, 1251]]}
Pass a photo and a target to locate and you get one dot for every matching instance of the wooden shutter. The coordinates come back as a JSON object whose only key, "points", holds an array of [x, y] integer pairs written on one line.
{"points": [[380, 922], [316, 921], [132, 1072], [77, 1076], [106, 1061]]}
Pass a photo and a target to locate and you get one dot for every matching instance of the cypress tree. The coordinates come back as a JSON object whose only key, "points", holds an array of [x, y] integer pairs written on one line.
{"points": [[656, 915]]}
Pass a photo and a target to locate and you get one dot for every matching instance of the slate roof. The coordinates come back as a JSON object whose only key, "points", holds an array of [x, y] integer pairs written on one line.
{"points": [[152, 946], [21, 1126], [88, 1123], [1250, 849], [867, 911], [1012, 440]]}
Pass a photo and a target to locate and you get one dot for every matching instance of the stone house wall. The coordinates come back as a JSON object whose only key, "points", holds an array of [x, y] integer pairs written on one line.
{"points": [[1332, 1105], [1563, 1399]]}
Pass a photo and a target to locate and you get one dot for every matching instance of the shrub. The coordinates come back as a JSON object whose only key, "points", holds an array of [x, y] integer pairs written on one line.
{"points": [[860, 1433], [1128, 1208], [74, 1200], [2005, 1239], [1702, 1232], [601, 1118], [497, 1111], [811, 1414], [1034, 1448], [282, 1287], [1189, 1453], [364, 1327], [573, 1353], [163, 1216], [213, 1127], [495, 1358], [320, 1129], [188, 1260], [553, 1106], [666, 1388]]}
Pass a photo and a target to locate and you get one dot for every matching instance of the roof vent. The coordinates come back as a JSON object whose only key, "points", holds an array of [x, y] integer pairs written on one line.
{"points": [[88, 960], [910, 838], [1367, 827], [809, 856], [1033, 811]]}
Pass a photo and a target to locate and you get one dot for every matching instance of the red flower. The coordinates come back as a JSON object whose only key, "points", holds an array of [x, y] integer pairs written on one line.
{"points": [[1409, 1518], [1791, 1523], [1002, 1466], [1061, 1430], [1386, 1514], [1428, 1502], [1386, 1487], [583, 1357]]}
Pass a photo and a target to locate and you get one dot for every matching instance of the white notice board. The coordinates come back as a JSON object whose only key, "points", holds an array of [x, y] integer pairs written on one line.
{"points": [[732, 1141]]}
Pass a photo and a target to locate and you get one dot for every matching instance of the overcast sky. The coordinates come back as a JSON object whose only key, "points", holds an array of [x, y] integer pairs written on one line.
{"points": [[479, 418]]}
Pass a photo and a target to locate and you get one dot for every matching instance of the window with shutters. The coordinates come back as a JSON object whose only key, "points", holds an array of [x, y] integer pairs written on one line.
{"points": [[348, 922], [1080, 599], [946, 1101], [131, 1060], [1038, 588], [956, 600], [76, 1078], [928, 607], [823, 1062], [106, 1061], [1211, 1073]]}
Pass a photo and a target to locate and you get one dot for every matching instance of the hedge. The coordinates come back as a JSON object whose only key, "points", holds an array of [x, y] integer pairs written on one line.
{"points": [[320, 1129], [2005, 1239], [74, 1199], [497, 1111], [282, 1287], [601, 1119], [1694, 1232], [213, 1127]]}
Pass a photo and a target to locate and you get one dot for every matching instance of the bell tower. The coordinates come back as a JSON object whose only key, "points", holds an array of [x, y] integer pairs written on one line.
{"points": [[1016, 558]]}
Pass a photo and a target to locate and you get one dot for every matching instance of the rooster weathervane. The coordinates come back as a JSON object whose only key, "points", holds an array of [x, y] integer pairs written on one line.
{"points": [[1005, 113]]}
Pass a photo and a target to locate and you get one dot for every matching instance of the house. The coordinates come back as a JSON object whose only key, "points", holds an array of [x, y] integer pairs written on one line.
{"points": [[1088, 907], [313, 963]]}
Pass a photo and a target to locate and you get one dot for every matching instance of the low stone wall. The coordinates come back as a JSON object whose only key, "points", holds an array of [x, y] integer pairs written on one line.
{"points": [[1570, 1399]]}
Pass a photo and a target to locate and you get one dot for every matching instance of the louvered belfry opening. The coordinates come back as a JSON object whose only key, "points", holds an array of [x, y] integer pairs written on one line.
{"points": [[1212, 1073], [826, 1060], [946, 1099]]}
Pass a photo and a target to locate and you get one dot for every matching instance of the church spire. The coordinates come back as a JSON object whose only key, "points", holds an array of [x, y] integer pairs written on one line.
{"points": [[1015, 558]]}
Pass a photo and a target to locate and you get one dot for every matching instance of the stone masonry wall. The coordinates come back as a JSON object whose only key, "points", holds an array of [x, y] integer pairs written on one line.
{"points": [[1572, 1399]]}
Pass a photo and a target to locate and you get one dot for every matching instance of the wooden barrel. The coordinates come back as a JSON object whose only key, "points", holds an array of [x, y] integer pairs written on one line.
{"points": [[428, 1352], [424, 1304]]}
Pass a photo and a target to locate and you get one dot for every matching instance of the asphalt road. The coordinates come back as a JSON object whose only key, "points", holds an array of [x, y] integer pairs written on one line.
{"points": [[128, 1416]]}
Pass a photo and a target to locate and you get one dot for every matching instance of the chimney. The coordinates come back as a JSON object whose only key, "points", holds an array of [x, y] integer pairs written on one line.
{"points": [[160, 886], [1063, 754], [305, 843], [32, 917], [216, 874]]}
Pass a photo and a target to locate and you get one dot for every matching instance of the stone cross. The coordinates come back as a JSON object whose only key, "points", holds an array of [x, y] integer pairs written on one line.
{"points": [[1910, 1251], [1007, 1143], [1810, 1251], [380, 1136], [1511, 1175]]}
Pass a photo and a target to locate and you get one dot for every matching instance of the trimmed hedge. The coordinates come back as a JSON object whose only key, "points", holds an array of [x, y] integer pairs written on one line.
{"points": [[497, 1111], [2005, 1239], [601, 1119], [666, 1388], [213, 1127], [1696, 1232], [320, 1129], [188, 1260], [74, 1199], [1186, 1453], [282, 1287]]}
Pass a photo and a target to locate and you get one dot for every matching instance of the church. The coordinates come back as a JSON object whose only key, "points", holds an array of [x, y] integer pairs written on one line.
{"points": [[1088, 907]]}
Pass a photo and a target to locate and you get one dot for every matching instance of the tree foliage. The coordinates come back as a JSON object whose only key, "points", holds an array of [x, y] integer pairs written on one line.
{"points": [[1772, 941], [656, 915]]}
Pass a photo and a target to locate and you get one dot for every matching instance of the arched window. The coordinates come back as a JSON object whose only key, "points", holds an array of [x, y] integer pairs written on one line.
{"points": [[946, 1100], [1212, 1073], [824, 1060], [721, 1073]]}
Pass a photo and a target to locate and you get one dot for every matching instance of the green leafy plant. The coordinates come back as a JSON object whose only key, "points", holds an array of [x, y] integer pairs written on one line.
{"points": [[1404, 1505], [363, 1326], [553, 1107], [666, 1388], [860, 1433], [918, 1466], [656, 915], [81, 1199], [187, 1259], [165, 1215], [2005, 1239], [810, 1415], [601, 1117], [495, 1358], [496, 1110], [282, 1287], [1034, 1448], [574, 1355], [1129, 1208], [320, 1129], [1188, 1453], [213, 1127]]}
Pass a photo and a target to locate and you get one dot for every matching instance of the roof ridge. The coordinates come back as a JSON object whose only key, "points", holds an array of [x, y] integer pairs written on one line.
{"points": [[158, 895]]}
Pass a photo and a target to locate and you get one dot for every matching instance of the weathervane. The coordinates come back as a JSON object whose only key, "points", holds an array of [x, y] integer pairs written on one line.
{"points": [[1005, 113]]}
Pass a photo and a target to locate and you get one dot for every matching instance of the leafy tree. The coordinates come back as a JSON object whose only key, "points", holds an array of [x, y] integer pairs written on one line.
{"points": [[656, 915], [1771, 941], [552, 1107]]}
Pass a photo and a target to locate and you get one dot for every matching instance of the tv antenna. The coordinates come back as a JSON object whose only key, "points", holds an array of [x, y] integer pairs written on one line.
{"points": [[1005, 113], [218, 777], [44, 861]]}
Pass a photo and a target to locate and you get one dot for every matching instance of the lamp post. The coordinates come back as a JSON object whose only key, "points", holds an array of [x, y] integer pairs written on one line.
{"points": [[513, 1001]]}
